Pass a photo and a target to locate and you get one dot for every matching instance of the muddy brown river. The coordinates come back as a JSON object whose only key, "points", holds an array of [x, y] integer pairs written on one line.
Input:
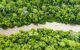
{"points": [[53, 25]]}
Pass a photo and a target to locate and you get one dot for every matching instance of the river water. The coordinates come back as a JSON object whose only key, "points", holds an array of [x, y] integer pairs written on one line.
{"points": [[53, 25]]}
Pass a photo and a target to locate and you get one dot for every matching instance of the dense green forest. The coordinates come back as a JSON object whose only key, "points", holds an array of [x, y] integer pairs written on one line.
{"points": [[23, 12], [41, 39]]}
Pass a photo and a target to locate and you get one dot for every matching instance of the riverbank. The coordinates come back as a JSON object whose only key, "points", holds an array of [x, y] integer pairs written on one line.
{"points": [[53, 25]]}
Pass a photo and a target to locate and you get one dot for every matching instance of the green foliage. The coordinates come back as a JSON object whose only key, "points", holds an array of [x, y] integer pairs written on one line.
{"points": [[40, 39], [23, 12]]}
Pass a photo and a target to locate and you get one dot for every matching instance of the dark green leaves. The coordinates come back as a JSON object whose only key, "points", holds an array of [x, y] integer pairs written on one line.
{"points": [[21, 12]]}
